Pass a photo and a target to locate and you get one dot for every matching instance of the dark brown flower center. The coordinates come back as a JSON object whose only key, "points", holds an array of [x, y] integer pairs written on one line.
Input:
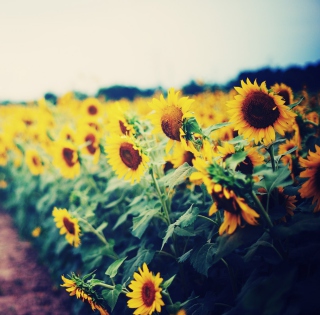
{"points": [[171, 122], [229, 205], [92, 110], [188, 157], [67, 154], [260, 110], [285, 95], [36, 161], [91, 148], [123, 128], [130, 156], [69, 225], [148, 293], [246, 166]]}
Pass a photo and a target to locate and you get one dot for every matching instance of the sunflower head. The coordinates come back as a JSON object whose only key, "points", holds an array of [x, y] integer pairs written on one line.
{"points": [[145, 296], [83, 290], [284, 91], [66, 158], [126, 157], [67, 225], [34, 161], [168, 114], [311, 188], [258, 113]]}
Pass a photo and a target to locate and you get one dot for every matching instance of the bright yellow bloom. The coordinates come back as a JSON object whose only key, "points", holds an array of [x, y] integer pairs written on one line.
{"points": [[66, 159], [67, 225], [34, 161], [168, 115], [257, 113], [36, 231], [284, 91], [126, 157], [311, 188], [146, 292], [91, 107]]}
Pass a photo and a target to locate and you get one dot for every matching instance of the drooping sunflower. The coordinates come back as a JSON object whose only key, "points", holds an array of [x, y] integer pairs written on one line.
{"points": [[146, 292], [34, 161], [67, 225], [65, 158], [168, 115], [235, 209], [126, 157], [74, 287], [284, 91], [257, 113], [311, 188]]}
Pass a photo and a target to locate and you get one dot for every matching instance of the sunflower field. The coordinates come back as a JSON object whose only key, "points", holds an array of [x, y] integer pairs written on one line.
{"points": [[174, 204]]}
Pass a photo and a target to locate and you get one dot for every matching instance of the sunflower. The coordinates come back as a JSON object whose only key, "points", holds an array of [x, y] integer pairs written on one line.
{"points": [[88, 139], [91, 107], [74, 287], [283, 148], [34, 162], [253, 158], [168, 115], [146, 292], [179, 156], [66, 159], [67, 225], [284, 91], [67, 133], [257, 113], [235, 209], [119, 123], [126, 157], [36, 231], [311, 188]]}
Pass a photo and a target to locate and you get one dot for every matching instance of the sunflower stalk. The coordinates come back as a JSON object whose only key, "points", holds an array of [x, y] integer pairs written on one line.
{"points": [[262, 211], [99, 235], [110, 287]]}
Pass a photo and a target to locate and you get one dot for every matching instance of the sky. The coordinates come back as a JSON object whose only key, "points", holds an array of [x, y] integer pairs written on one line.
{"points": [[83, 45]]}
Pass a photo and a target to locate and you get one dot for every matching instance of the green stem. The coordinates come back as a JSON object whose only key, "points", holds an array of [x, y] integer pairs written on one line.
{"points": [[110, 287], [161, 197], [262, 210], [231, 277], [167, 295], [99, 235], [208, 219], [161, 252], [271, 153]]}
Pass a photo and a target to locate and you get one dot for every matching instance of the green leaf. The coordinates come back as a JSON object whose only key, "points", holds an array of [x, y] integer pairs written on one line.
{"points": [[295, 104], [228, 243], [185, 220], [113, 268], [202, 258], [102, 226], [168, 282], [141, 222], [208, 130], [111, 296], [185, 256], [236, 158], [179, 175], [279, 178], [143, 256], [183, 232]]}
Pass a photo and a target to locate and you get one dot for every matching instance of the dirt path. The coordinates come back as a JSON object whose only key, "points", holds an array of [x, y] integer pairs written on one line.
{"points": [[25, 286]]}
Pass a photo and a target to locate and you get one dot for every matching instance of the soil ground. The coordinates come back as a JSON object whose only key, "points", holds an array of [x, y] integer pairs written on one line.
{"points": [[25, 285]]}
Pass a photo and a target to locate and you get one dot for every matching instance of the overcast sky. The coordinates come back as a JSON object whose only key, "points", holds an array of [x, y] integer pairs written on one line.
{"points": [[62, 45]]}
